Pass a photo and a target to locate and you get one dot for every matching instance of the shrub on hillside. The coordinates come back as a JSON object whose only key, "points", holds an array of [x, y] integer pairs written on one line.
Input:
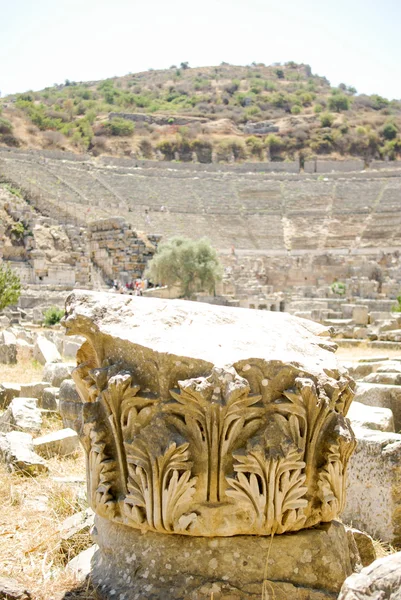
{"points": [[53, 139], [5, 125], [255, 146], [326, 119], [98, 145], [231, 149], [389, 131], [118, 126], [10, 140], [275, 145], [392, 149], [203, 149], [167, 148]]}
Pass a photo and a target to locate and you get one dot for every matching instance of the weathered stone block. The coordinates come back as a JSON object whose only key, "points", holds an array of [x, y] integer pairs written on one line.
{"points": [[24, 350], [380, 580], [359, 370], [13, 590], [81, 565], [310, 564], [57, 443], [371, 417], [365, 546], [8, 391], [8, 348], [21, 415], [34, 389], [16, 450], [55, 373], [374, 483], [4, 322], [45, 351], [50, 398], [360, 315], [385, 396], [384, 378], [69, 403], [71, 347]]}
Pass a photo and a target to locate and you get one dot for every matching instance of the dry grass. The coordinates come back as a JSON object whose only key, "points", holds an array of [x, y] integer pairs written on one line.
{"points": [[382, 549], [25, 371], [354, 353], [33, 509]]}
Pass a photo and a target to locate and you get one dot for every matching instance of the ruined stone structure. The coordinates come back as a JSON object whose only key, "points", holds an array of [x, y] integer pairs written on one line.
{"points": [[118, 250], [48, 253], [293, 233], [209, 422]]}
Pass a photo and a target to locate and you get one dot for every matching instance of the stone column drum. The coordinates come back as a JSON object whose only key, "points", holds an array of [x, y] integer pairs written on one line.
{"points": [[216, 445]]}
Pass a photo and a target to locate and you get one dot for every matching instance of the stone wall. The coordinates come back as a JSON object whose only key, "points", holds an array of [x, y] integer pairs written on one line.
{"points": [[118, 250], [158, 119]]}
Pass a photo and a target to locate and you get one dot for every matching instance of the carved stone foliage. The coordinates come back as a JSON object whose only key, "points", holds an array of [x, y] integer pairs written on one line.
{"points": [[213, 458]]}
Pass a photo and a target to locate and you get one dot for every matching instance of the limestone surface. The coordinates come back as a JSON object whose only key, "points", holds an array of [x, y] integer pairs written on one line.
{"points": [[34, 389], [387, 378], [385, 396], [81, 564], [55, 373], [365, 546], [371, 417], [373, 487], [45, 351], [57, 443], [16, 449], [8, 391], [21, 415], [309, 564], [381, 580], [10, 589], [8, 348], [50, 398]]}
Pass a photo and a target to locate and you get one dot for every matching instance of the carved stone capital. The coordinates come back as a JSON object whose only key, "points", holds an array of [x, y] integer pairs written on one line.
{"points": [[258, 446]]}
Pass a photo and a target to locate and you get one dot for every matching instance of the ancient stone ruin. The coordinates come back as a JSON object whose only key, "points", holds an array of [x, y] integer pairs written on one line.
{"points": [[201, 424]]}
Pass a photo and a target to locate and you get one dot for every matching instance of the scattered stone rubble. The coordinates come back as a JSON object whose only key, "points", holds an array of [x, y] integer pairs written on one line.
{"points": [[374, 472]]}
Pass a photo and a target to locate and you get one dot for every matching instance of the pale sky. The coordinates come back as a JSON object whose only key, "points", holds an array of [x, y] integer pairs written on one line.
{"points": [[43, 42]]}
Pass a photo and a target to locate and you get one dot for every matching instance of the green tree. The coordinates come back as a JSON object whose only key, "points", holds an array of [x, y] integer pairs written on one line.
{"points": [[192, 264], [338, 102], [10, 287]]}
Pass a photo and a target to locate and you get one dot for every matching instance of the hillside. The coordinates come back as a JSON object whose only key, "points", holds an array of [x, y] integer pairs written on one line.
{"points": [[210, 114]]}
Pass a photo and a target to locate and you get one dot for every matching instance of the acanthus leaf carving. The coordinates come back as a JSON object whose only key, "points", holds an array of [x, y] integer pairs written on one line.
{"points": [[218, 415], [274, 487], [102, 471], [223, 456], [158, 486]]}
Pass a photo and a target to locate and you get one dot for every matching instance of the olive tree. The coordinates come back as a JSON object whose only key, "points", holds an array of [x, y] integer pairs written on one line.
{"points": [[191, 264], [10, 287]]}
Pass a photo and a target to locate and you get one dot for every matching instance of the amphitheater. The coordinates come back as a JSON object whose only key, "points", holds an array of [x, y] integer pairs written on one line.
{"points": [[271, 224]]}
